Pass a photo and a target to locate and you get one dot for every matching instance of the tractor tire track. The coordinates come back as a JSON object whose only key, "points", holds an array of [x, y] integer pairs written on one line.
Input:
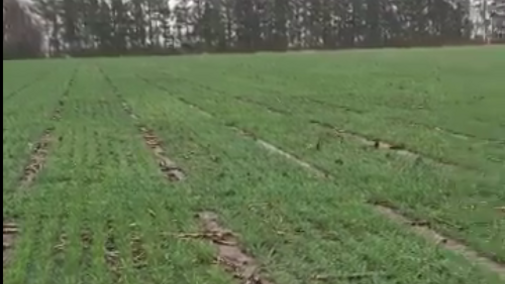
{"points": [[230, 255]]}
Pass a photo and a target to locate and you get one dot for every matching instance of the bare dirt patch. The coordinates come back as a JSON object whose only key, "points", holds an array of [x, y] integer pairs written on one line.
{"points": [[167, 166], [425, 230], [10, 232], [37, 159], [230, 255]]}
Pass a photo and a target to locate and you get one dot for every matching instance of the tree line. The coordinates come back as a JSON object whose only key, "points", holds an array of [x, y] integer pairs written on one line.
{"points": [[123, 27]]}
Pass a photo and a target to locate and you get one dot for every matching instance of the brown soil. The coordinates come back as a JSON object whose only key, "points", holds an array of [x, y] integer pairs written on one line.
{"points": [[37, 159], [167, 166], [423, 229], [229, 254], [10, 232]]}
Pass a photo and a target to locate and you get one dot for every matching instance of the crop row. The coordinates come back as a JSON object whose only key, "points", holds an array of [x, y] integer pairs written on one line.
{"points": [[483, 142], [100, 212], [27, 127], [442, 195], [269, 201]]}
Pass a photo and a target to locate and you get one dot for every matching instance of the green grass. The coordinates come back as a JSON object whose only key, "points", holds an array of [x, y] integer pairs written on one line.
{"points": [[99, 171]]}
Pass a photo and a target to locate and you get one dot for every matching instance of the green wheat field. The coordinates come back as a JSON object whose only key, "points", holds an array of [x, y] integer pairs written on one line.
{"points": [[354, 167]]}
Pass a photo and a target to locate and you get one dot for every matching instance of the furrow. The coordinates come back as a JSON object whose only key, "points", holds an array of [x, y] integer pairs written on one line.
{"points": [[399, 149], [230, 255], [423, 229], [168, 167]]}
